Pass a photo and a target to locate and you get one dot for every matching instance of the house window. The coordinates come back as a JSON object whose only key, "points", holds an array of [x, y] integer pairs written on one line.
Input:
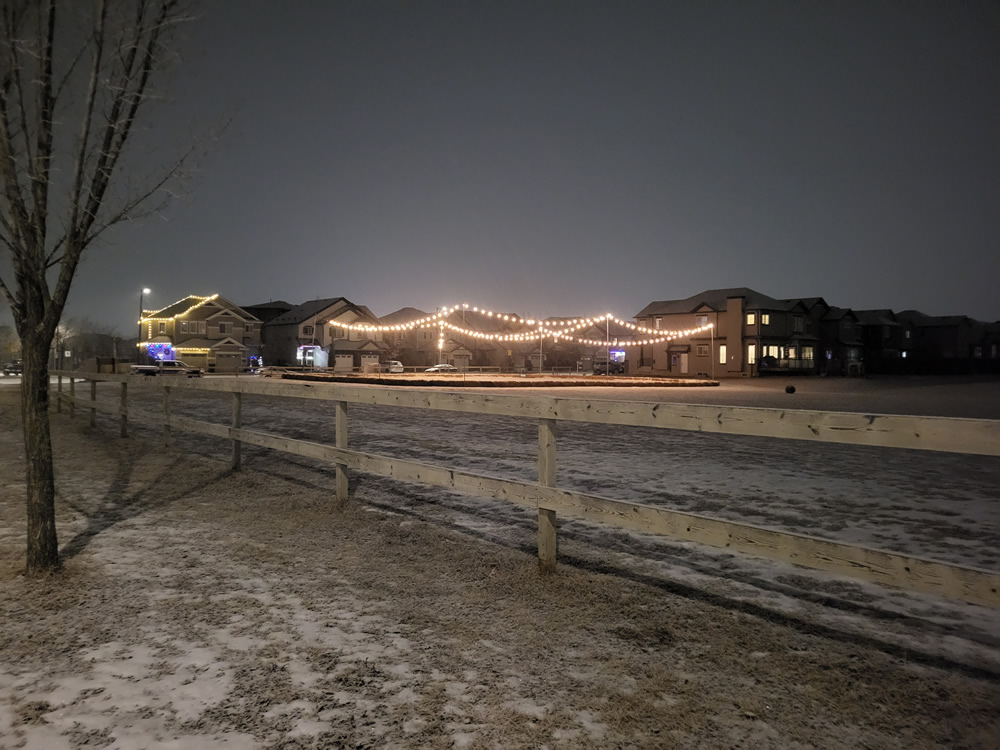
{"points": [[751, 354], [307, 330], [657, 322], [807, 352], [701, 320], [798, 324], [225, 328], [790, 352], [977, 352], [248, 327], [907, 334], [184, 326], [765, 319], [751, 320], [702, 350], [722, 354], [163, 327], [769, 351]]}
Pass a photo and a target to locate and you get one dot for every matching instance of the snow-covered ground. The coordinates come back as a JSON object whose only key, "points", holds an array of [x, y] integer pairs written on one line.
{"points": [[205, 607]]}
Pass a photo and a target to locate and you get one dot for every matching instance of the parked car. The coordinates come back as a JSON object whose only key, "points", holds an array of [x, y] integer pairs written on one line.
{"points": [[14, 367], [167, 367], [394, 365], [612, 368], [442, 368]]}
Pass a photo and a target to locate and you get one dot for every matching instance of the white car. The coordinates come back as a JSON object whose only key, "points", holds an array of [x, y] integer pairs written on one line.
{"points": [[394, 365], [442, 368]]}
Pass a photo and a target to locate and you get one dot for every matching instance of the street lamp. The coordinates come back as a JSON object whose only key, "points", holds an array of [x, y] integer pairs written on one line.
{"points": [[138, 346]]}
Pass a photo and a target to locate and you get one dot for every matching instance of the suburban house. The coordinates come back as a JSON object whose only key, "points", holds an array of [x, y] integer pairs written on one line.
{"points": [[750, 333], [842, 344], [881, 341], [308, 335], [943, 344], [207, 332]]}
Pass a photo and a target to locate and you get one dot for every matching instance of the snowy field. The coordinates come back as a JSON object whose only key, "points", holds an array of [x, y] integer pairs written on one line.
{"points": [[200, 606]]}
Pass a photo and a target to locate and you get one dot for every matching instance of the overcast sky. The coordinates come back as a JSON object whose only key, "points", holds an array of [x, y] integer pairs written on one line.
{"points": [[561, 158]]}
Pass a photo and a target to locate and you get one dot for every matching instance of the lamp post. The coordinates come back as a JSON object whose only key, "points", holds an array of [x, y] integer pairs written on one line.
{"points": [[138, 347]]}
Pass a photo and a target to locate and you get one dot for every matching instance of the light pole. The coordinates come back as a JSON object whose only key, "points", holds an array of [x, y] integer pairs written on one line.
{"points": [[138, 346]]}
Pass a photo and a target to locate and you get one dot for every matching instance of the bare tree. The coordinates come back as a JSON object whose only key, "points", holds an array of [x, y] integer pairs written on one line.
{"points": [[74, 78]]}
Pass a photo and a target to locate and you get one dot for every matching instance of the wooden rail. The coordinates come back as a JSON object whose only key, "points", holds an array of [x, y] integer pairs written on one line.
{"points": [[975, 436]]}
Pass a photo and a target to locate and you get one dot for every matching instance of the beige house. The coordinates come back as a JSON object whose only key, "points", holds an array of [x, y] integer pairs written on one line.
{"points": [[751, 333], [207, 332]]}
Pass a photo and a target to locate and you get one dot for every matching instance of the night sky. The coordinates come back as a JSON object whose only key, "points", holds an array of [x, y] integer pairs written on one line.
{"points": [[562, 158]]}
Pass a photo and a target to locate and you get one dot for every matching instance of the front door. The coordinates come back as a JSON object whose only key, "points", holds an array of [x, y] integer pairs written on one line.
{"points": [[684, 363]]}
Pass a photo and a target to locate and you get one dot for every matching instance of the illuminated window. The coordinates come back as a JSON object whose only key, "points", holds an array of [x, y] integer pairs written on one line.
{"points": [[769, 351], [752, 354], [722, 354], [765, 319], [807, 352], [702, 350], [791, 352], [163, 327], [657, 322], [751, 320], [701, 320]]}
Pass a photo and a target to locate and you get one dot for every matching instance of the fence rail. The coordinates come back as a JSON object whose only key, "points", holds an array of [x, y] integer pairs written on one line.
{"points": [[972, 436]]}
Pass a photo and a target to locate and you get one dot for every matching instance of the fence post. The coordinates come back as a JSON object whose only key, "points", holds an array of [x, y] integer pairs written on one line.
{"points": [[93, 400], [58, 394], [123, 408], [166, 415], [237, 422], [340, 434], [72, 397], [547, 544]]}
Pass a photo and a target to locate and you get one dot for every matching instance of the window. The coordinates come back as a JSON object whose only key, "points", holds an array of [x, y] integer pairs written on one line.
{"points": [[977, 352], [765, 319], [307, 330], [657, 322], [798, 324], [769, 351], [248, 327], [163, 327], [751, 321], [907, 334], [184, 326], [722, 354], [225, 328], [790, 352], [807, 352], [702, 350], [701, 320], [751, 353]]}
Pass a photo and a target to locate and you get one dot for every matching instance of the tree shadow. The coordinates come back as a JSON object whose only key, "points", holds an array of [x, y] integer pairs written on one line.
{"points": [[118, 504]]}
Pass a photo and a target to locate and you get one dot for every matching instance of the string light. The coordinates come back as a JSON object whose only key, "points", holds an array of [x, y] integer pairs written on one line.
{"points": [[566, 327]]}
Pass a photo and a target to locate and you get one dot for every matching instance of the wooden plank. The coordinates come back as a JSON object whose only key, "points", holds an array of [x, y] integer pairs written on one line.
{"points": [[952, 435], [123, 408], [547, 541], [237, 422], [340, 437], [968, 584]]}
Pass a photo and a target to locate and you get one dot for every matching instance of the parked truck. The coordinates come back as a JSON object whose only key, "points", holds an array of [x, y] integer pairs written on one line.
{"points": [[167, 367]]}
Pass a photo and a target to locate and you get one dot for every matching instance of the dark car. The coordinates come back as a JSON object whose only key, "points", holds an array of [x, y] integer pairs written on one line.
{"points": [[16, 367], [609, 368]]}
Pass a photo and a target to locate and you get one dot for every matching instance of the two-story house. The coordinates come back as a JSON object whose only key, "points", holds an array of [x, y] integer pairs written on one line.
{"points": [[943, 344], [207, 332], [325, 333], [737, 329]]}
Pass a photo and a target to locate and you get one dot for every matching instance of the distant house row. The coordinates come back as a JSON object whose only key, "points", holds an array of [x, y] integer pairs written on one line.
{"points": [[744, 333], [754, 334]]}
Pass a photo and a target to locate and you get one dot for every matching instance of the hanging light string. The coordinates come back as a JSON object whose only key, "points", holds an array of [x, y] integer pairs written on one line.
{"points": [[539, 330]]}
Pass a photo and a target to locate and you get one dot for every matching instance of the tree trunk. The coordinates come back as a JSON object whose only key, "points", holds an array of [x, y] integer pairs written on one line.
{"points": [[43, 548]]}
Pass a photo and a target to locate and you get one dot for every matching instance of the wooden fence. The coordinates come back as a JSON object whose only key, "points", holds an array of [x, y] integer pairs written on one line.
{"points": [[971, 436]]}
